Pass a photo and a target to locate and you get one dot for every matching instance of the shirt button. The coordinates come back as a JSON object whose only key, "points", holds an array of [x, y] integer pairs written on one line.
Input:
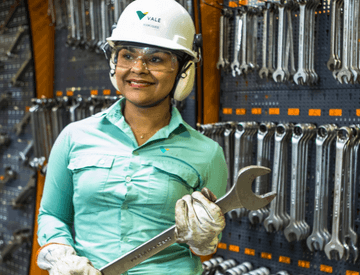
{"points": [[125, 206], [128, 179], [102, 161]]}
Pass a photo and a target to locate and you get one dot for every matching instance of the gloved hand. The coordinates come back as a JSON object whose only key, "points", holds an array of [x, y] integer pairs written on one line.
{"points": [[60, 259], [199, 221]]}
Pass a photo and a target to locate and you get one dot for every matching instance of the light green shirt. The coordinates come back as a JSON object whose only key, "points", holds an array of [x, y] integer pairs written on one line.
{"points": [[117, 195]]}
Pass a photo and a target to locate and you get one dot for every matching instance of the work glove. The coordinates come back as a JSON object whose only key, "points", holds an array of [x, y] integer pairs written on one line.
{"points": [[199, 221], [60, 259]]}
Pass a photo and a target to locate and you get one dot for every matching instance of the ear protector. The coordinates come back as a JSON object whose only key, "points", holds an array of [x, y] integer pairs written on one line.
{"points": [[185, 83]]}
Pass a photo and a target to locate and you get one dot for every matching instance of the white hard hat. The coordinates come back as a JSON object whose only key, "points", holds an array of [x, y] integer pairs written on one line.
{"points": [[160, 23]]}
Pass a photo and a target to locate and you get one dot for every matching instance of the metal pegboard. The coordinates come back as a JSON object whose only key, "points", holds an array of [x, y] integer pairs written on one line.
{"points": [[251, 98], [13, 219]]}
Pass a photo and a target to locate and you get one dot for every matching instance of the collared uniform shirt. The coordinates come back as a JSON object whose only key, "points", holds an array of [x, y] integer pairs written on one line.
{"points": [[105, 195]]}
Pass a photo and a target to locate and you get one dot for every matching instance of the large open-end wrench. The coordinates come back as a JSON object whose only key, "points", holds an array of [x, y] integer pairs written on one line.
{"points": [[278, 218], [350, 235], [221, 62], [264, 71], [335, 248], [235, 65], [345, 75], [240, 195], [301, 76], [279, 74], [264, 136], [333, 62], [320, 235]]}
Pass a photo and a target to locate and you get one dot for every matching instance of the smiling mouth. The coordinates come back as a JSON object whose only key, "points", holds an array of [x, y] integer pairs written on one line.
{"points": [[139, 83]]}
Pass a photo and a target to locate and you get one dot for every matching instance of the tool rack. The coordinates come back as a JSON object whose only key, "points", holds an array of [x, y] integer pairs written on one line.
{"points": [[251, 98], [14, 219]]}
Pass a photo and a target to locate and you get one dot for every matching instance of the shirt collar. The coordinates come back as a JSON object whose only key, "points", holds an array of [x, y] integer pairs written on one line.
{"points": [[115, 116]]}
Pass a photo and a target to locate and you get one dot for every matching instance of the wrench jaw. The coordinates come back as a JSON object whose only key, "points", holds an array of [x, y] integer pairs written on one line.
{"points": [[241, 194], [316, 242], [334, 250]]}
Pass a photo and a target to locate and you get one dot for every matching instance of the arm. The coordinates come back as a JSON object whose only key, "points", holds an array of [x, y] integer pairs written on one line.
{"points": [[56, 210]]}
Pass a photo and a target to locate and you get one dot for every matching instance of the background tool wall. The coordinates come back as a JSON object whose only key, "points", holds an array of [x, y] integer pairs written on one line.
{"points": [[15, 99], [251, 98]]}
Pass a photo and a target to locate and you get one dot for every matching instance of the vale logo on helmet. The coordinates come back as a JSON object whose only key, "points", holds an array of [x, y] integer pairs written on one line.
{"points": [[141, 15]]}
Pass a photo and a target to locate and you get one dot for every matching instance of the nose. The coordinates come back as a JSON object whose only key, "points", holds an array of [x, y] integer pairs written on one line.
{"points": [[139, 66]]}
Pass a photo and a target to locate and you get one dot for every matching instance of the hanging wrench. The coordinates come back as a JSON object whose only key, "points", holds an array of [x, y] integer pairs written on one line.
{"points": [[335, 249], [301, 76], [235, 65], [264, 71], [345, 75], [239, 196], [279, 74], [320, 236], [221, 62]]}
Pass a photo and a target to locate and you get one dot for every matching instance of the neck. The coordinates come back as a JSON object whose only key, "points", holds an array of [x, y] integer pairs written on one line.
{"points": [[146, 120]]}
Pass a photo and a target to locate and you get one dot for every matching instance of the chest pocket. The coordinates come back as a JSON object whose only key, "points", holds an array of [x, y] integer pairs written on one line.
{"points": [[168, 183], [90, 173]]}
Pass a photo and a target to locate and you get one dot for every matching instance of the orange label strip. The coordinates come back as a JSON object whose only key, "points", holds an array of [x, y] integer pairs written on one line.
{"points": [[304, 264], [256, 111], [293, 111], [249, 251], [314, 112], [222, 245], [234, 248], [227, 111], [241, 111], [274, 111], [69, 93], [59, 93], [326, 268], [265, 255], [94, 92], [285, 260], [349, 272], [358, 112], [106, 92], [335, 112]]}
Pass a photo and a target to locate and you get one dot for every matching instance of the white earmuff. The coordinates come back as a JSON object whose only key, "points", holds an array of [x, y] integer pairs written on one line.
{"points": [[185, 83], [112, 75]]}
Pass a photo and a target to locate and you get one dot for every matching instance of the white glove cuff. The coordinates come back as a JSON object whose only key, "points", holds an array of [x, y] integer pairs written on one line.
{"points": [[49, 254], [209, 249]]}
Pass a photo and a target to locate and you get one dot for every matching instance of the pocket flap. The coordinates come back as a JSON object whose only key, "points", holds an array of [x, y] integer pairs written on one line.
{"points": [[185, 173], [93, 160]]}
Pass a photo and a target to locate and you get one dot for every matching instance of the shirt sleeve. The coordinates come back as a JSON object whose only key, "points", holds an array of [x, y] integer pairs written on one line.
{"points": [[56, 209], [216, 173]]}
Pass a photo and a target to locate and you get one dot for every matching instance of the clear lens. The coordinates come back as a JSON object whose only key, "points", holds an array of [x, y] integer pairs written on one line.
{"points": [[152, 59]]}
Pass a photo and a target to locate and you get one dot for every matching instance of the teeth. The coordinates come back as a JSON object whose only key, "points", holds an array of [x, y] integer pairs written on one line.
{"points": [[139, 83]]}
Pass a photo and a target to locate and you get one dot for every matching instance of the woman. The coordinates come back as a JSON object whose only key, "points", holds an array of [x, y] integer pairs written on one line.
{"points": [[125, 175]]}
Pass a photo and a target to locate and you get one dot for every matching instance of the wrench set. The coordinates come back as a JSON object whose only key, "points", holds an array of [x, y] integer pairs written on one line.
{"points": [[285, 149], [344, 62], [50, 115], [277, 41], [219, 266], [89, 22]]}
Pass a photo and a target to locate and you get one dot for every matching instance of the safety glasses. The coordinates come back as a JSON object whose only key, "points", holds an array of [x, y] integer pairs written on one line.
{"points": [[153, 59]]}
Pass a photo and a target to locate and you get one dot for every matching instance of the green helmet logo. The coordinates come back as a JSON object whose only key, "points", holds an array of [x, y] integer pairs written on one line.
{"points": [[141, 15]]}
